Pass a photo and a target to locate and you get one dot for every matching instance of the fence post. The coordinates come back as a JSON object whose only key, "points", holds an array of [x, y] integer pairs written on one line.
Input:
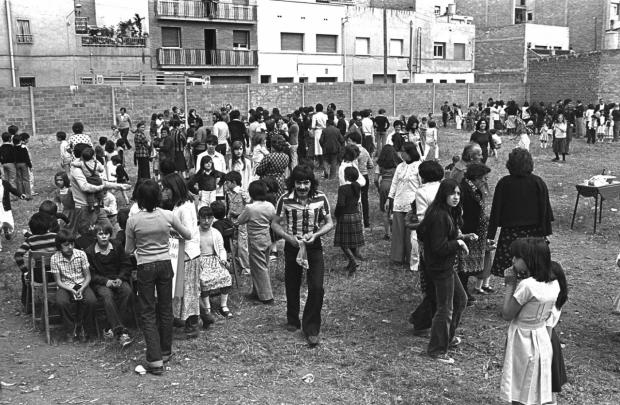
{"points": [[248, 97], [185, 100], [351, 98], [394, 99], [468, 96], [433, 111], [499, 91], [113, 106], [32, 116], [303, 94]]}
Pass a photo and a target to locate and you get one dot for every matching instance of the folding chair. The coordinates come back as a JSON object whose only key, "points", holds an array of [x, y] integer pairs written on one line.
{"points": [[48, 289]]}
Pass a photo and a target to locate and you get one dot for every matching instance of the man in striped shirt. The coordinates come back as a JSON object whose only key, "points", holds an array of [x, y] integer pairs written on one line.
{"points": [[41, 240], [302, 217]]}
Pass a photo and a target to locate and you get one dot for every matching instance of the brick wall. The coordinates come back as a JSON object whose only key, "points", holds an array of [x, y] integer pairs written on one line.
{"points": [[500, 54], [56, 108], [586, 76]]}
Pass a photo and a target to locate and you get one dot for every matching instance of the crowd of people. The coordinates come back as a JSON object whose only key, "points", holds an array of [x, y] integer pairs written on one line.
{"points": [[222, 194]]}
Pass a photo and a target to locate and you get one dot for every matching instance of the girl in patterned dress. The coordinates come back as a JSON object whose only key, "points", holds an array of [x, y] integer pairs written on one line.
{"points": [[215, 278]]}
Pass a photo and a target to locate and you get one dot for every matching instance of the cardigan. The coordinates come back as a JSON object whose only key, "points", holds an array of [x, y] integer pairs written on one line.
{"points": [[348, 201], [520, 201], [439, 237]]}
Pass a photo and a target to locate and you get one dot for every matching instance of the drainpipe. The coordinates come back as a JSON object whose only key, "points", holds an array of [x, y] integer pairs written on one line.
{"points": [[10, 38]]}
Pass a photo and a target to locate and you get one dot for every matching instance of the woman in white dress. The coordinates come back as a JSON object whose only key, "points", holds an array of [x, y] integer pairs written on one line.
{"points": [[528, 304]]}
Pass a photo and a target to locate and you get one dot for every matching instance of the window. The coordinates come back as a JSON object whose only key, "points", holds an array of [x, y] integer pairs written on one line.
{"points": [[519, 15], [443, 81], [326, 79], [362, 46], [437, 10], [27, 82], [291, 41], [459, 51], [265, 79], [380, 79], [241, 39], [326, 43], [23, 32], [170, 37], [460, 80], [615, 9], [439, 50], [396, 47], [530, 16], [359, 81], [285, 80], [429, 80]]}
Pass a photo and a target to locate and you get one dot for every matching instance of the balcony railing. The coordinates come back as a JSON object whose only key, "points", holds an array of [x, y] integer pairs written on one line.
{"points": [[81, 25], [201, 57], [205, 10], [24, 39], [107, 41]]}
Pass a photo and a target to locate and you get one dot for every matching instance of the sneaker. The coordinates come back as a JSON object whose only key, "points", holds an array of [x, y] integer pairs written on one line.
{"points": [[444, 358], [125, 340], [154, 370], [455, 342], [108, 334]]}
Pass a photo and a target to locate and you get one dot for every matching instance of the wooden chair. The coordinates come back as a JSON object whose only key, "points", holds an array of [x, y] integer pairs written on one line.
{"points": [[48, 290]]}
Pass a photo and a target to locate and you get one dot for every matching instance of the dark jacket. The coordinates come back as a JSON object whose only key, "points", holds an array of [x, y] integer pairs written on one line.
{"points": [[471, 207], [166, 149], [7, 153], [331, 140], [115, 264], [238, 132], [438, 234], [22, 156], [520, 201]]}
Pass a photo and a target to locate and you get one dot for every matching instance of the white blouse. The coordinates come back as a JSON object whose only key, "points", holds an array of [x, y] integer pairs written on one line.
{"points": [[186, 213], [404, 185]]}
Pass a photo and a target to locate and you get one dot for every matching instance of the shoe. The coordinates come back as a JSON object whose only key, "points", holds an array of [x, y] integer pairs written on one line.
{"points": [[555, 159], [291, 328], [108, 334], [225, 312], [124, 340], [267, 302], [444, 358], [422, 332], [313, 340], [354, 269], [154, 370], [488, 289], [455, 342], [273, 256], [480, 291], [166, 357], [207, 319]]}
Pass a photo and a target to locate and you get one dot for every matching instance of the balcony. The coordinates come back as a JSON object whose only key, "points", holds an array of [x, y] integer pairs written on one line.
{"points": [[24, 39], [81, 25], [107, 41], [217, 58], [205, 11]]}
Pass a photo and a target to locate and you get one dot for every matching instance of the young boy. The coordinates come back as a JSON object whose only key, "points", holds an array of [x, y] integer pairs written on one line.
{"points": [[41, 240], [93, 171], [23, 165], [100, 150], [7, 158], [25, 139], [236, 200], [72, 273], [65, 153]]}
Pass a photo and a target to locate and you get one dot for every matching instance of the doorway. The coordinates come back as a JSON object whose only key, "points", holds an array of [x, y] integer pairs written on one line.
{"points": [[210, 47]]}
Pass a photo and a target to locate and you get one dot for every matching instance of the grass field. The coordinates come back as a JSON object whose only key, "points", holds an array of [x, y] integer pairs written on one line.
{"points": [[368, 354]]}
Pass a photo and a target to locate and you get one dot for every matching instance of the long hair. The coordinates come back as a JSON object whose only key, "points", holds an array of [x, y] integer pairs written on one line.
{"points": [[175, 183], [440, 207], [302, 173], [388, 158], [536, 256], [203, 160], [234, 158]]}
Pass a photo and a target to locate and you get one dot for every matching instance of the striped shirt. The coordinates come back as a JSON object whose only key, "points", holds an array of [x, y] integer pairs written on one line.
{"points": [[302, 218], [34, 243], [71, 270]]}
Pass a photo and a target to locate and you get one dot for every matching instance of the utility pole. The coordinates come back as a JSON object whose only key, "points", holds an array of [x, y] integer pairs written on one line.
{"points": [[595, 33], [385, 45]]}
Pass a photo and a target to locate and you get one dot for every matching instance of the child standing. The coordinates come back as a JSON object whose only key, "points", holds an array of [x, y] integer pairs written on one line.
{"points": [[64, 197], [599, 120], [25, 139], [65, 153], [239, 163], [71, 271], [214, 276], [609, 130], [432, 145], [258, 217], [236, 200], [258, 152], [349, 235], [384, 173], [204, 183], [22, 166], [545, 131], [528, 306]]}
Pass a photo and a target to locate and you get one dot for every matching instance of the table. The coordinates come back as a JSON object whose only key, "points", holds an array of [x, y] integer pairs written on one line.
{"points": [[607, 191]]}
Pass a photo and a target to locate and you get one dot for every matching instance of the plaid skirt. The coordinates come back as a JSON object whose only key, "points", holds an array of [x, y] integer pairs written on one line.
{"points": [[349, 231], [503, 258]]}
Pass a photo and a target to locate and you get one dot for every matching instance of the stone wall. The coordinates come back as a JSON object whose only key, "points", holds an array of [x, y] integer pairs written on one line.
{"points": [[56, 108]]}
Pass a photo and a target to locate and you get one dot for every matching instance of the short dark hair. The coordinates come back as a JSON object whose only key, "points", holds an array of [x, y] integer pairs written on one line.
{"points": [[234, 115], [258, 190], [64, 236], [381, 110], [88, 154], [351, 174], [520, 162], [476, 170], [121, 142], [211, 140], [39, 223], [17, 139], [109, 146], [219, 209], [351, 152], [77, 127], [410, 149], [278, 144], [103, 140], [167, 166], [122, 217], [319, 107], [233, 177], [432, 124], [149, 195], [79, 148], [205, 211], [355, 137], [25, 136], [430, 170], [60, 135], [13, 129], [48, 207], [103, 226]]}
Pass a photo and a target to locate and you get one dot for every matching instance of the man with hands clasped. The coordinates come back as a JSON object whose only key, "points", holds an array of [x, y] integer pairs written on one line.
{"points": [[302, 217]]}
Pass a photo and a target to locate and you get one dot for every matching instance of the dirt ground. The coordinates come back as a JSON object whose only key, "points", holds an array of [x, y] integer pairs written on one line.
{"points": [[367, 353]]}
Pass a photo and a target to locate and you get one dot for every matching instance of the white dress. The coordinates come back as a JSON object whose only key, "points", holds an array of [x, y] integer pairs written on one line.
{"points": [[526, 375]]}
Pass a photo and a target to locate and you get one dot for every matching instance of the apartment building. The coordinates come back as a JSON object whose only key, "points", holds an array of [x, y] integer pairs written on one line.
{"points": [[593, 24], [343, 40], [213, 39], [47, 43]]}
